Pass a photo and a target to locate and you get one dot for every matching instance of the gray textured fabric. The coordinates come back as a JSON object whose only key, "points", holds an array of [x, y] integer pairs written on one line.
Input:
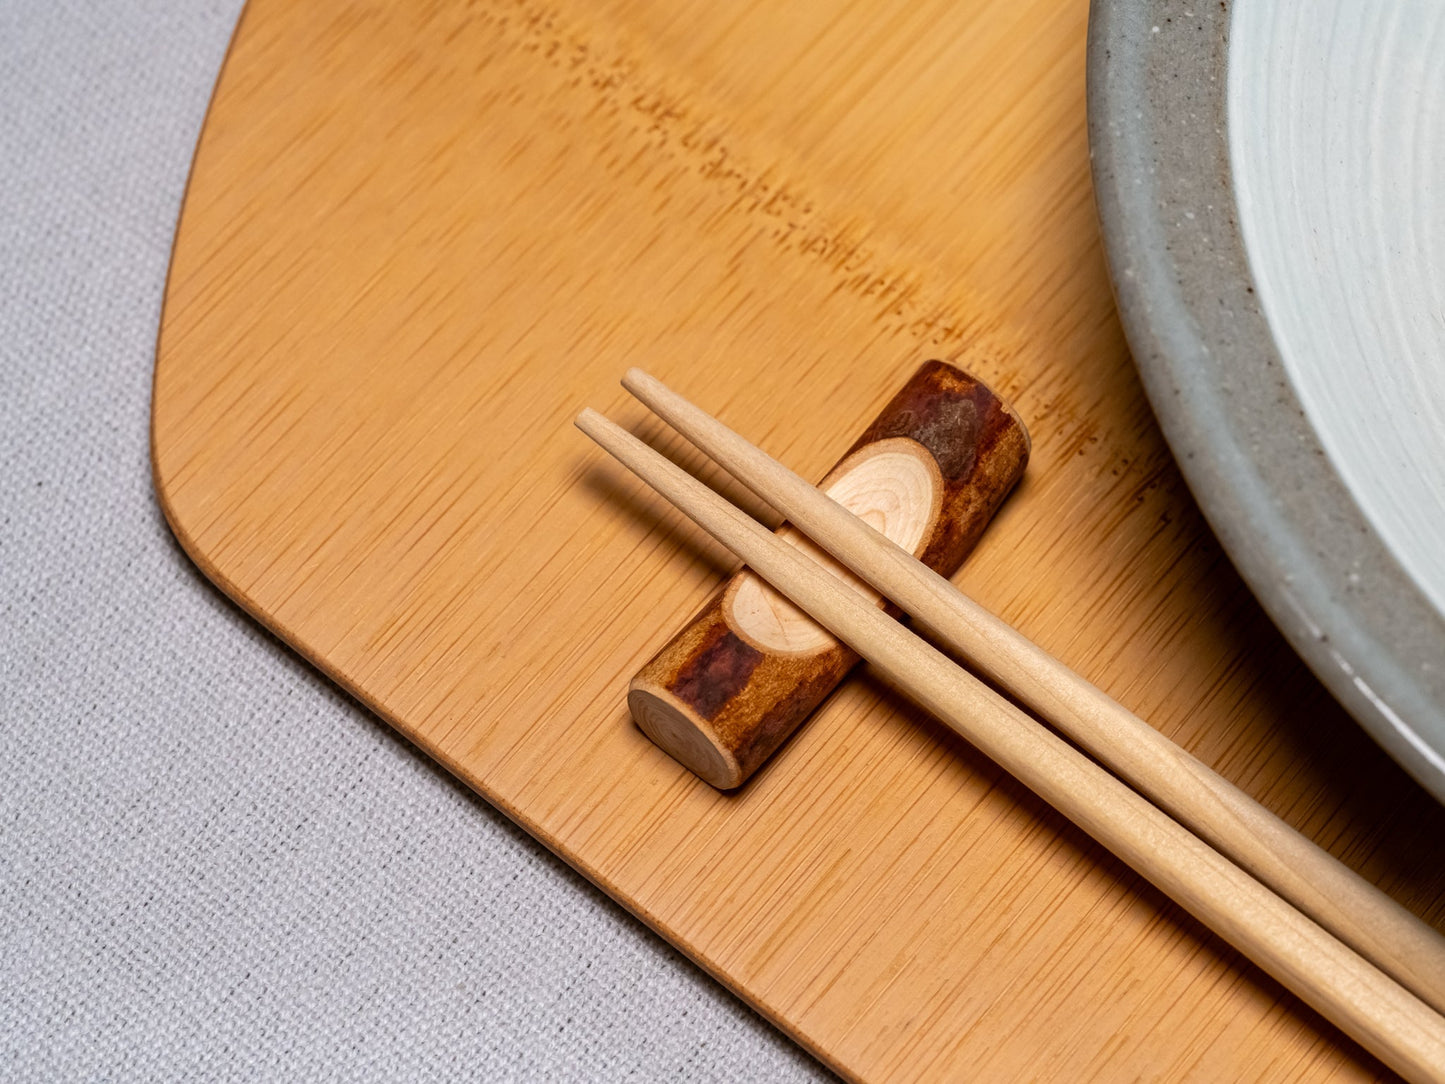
{"points": [[211, 863]]}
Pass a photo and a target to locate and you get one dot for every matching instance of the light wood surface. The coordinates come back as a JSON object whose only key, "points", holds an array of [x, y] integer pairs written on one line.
{"points": [[1389, 1021], [420, 237], [1311, 879]]}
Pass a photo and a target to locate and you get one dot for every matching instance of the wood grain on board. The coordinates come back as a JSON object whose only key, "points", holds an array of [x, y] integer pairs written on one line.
{"points": [[420, 237]]}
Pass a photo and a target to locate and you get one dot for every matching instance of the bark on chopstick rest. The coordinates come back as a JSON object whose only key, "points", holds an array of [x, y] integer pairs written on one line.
{"points": [[929, 473]]}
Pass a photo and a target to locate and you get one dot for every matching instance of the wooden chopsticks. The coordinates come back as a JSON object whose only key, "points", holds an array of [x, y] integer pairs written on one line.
{"points": [[1331, 976], [1336, 897]]}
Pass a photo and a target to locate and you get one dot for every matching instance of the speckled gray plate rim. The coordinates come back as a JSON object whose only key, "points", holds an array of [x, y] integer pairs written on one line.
{"points": [[1158, 140]]}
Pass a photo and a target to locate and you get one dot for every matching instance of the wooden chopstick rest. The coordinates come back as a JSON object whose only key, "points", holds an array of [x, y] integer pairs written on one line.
{"points": [[739, 679]]}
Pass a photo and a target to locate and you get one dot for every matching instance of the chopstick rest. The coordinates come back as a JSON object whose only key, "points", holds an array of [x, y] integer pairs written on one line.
{"points": [[740, 678]]}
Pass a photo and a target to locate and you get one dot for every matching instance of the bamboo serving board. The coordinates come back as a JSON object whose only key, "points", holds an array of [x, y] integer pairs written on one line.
{"points": [[419, 237]]}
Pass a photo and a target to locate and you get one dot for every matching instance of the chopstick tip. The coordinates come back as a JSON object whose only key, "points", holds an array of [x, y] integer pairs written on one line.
{"points": [[640, 381], [588, 420]]}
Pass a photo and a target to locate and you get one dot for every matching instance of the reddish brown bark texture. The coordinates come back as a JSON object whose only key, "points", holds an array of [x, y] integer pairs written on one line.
{"points": [[750, 700]]}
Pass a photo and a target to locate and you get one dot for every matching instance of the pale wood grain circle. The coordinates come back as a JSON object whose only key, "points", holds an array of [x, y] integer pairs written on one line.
{"points": [[688, 742], [895, 487]]}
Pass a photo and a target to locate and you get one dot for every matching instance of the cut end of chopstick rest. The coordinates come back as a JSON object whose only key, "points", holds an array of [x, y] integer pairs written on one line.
{"points": [[741, 677]]}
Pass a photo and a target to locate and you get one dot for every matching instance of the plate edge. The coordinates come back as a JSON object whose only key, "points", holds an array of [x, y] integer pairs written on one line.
{"points": [[1186, 298]]}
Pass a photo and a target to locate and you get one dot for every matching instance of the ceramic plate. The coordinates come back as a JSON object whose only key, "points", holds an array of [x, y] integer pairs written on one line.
{"points": [[1270, 177]]}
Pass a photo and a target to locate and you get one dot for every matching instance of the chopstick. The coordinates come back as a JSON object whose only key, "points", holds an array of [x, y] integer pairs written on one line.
{"points": [[1336, 897], [1365, 1003]]}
